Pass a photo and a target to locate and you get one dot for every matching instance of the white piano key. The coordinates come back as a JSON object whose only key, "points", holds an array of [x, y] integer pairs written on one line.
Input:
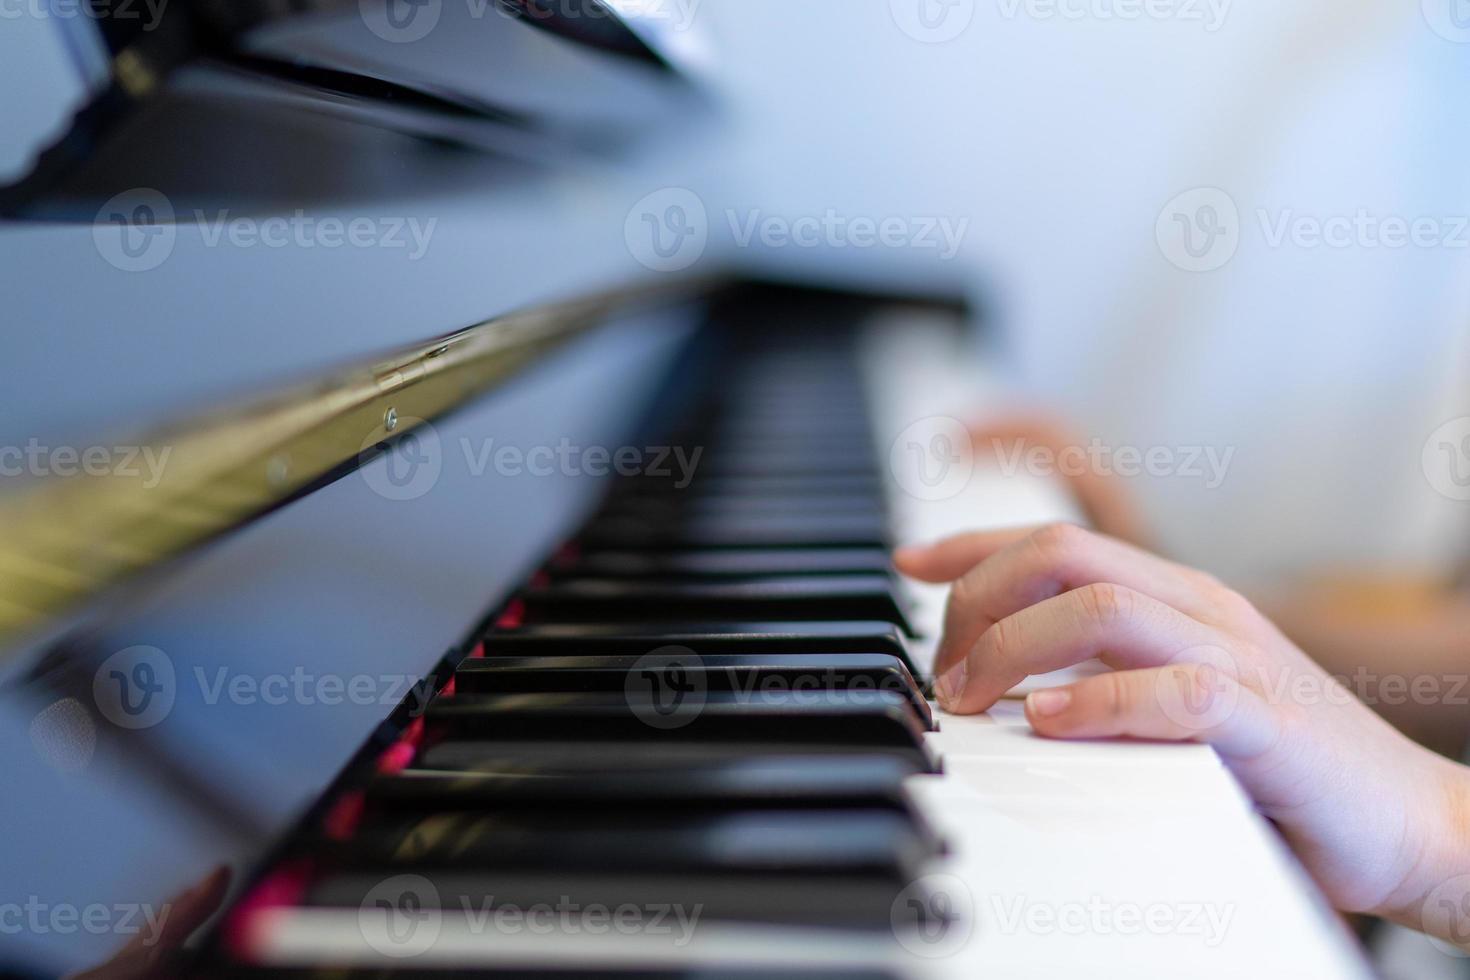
{"points": [[299, 937]]}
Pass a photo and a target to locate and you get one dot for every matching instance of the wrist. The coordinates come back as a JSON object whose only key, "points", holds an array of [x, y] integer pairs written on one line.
{"points": [[1434, 896]]}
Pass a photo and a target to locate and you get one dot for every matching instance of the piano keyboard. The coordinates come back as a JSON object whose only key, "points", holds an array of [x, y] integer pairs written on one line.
{"points": [[699, 743]]}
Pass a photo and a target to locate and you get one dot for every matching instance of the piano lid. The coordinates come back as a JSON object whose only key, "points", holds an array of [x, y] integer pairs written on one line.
{"points": [[520, 77]]}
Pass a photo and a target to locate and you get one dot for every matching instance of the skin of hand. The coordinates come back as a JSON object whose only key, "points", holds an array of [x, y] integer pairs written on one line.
{"points": [[1381, 823], [1418, 639]]}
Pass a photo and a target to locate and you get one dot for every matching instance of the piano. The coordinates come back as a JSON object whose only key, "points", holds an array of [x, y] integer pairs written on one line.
{"points": [[563, 644]]}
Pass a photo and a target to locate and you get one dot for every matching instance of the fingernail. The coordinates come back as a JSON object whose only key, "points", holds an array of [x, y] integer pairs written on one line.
{"points": [[908, 554], [1045, 704], [950, 686]]}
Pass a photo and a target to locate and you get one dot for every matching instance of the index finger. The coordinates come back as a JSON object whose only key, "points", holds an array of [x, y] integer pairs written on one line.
{"points": [[1123, 628]]}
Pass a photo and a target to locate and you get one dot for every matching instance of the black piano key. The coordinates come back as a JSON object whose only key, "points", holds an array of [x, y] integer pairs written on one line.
{"points": [[880, 720], [645, 841], [810, 674], [872, 781], [778, 531], [579, 758], [842, 901], [704, 638], [864, 597], [714, 788], [727, 563]]}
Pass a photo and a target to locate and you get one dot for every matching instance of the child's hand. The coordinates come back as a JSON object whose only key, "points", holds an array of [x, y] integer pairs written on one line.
{"points": [[1380, 822]]}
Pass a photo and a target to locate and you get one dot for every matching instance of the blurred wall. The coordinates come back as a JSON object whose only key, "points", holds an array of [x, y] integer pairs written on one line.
{"points": [[1062, 131]]}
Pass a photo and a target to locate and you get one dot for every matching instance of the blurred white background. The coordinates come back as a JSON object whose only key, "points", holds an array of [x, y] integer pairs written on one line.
{"points": [[1062, 130]]}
